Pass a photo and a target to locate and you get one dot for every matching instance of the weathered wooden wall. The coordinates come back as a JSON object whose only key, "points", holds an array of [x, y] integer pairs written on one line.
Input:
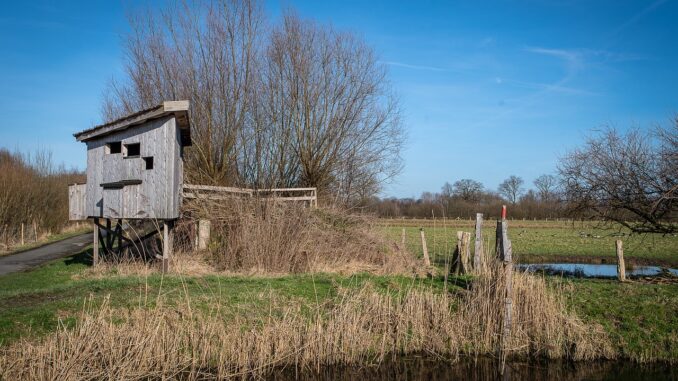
{"points": [[77, 201], [158, 195]]}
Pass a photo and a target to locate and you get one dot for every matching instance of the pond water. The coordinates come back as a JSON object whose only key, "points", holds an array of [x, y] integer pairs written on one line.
{"points": [[416, 369], [586, 270]]}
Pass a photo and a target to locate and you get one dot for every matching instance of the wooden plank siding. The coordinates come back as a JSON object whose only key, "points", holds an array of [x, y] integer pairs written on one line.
{"points": [[77, 200], [159, 193]]}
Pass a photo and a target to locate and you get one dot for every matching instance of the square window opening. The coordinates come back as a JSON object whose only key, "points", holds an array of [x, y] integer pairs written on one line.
{"points": [[133, 150], [149, 162], [113, 147]]}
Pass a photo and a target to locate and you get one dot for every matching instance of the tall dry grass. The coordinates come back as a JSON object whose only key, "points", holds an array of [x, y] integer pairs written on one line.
{"points": [[359, 327], [33, 191], [264, 236]]}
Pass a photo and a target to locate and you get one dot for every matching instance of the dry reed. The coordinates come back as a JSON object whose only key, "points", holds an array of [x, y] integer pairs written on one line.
{"points": [[264, 236], [358, 327]]}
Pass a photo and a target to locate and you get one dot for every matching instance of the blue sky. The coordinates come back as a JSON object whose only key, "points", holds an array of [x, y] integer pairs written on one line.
{"points": [[488, 89]]}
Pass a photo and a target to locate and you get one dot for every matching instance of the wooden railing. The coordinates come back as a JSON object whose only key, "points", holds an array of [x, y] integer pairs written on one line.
{"points": [[309, 195]]}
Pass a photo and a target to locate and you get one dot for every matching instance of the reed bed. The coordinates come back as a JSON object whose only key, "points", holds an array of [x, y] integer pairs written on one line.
{"points": [[358, 327]]}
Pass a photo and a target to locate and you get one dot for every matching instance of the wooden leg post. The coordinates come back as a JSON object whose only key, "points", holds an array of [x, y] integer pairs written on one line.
{"points": [[427, 260], [167, 245], [621, 267], [95, 244]]}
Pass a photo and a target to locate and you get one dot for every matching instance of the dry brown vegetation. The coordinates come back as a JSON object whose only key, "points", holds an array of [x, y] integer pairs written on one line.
{"points": [[358, 327], [264, 236], [33, 191]]}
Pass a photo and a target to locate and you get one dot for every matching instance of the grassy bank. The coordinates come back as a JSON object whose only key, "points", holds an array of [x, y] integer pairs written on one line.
{"points": [[640, 319], [32, 303], [542, 241]]}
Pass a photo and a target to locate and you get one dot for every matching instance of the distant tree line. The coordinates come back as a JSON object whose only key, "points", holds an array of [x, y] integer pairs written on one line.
{"points": [[627, 179], [466, 197]]}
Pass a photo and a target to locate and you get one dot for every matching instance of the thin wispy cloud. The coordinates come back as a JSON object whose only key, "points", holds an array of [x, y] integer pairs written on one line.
{"points": [[638, 16], [573, 58], [413, 67], [546, 86]]}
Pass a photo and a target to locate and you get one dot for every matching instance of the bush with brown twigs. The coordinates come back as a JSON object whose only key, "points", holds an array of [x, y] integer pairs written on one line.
{"points": [[33, 191]]}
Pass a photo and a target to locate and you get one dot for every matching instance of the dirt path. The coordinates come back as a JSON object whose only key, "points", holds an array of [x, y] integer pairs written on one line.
{"points": [[31, 258]]}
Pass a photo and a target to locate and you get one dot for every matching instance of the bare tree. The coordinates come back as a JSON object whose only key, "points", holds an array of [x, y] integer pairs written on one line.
{"points": [[447, 190], [628, 178], [208, 54], [511, 188], [295, 104], [332, 99], [468, 190], [546, 186]]}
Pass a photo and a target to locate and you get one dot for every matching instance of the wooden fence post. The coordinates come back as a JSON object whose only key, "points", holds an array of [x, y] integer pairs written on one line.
{"points": [[465, 251], [22, 234], [478, 254], [95, 243], [35, 231], [402, 240], [621, 268], [456, 259], [506, 256], [204, 230], [427, 260]]}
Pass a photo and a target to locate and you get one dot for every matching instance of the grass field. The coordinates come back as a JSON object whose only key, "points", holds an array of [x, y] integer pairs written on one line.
{"points": [[642, 319], [542, 241], [32, 303]]}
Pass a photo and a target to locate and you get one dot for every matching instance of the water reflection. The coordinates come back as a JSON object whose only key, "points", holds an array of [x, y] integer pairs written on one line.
{"points": [[484, 369], [586, 270]]}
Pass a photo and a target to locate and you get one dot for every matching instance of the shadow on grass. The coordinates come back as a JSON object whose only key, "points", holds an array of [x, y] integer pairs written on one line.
{"points": [[82, 258], [461, 281]]}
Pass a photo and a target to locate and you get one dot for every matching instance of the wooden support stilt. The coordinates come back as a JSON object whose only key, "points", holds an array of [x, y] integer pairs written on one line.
{"points": [[427, 260], [109, 236], [95, 244], [621, 267], [167, 245]]}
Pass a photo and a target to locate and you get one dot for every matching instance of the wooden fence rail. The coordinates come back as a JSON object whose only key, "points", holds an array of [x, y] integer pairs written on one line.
{"points": [[310, 195]]}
